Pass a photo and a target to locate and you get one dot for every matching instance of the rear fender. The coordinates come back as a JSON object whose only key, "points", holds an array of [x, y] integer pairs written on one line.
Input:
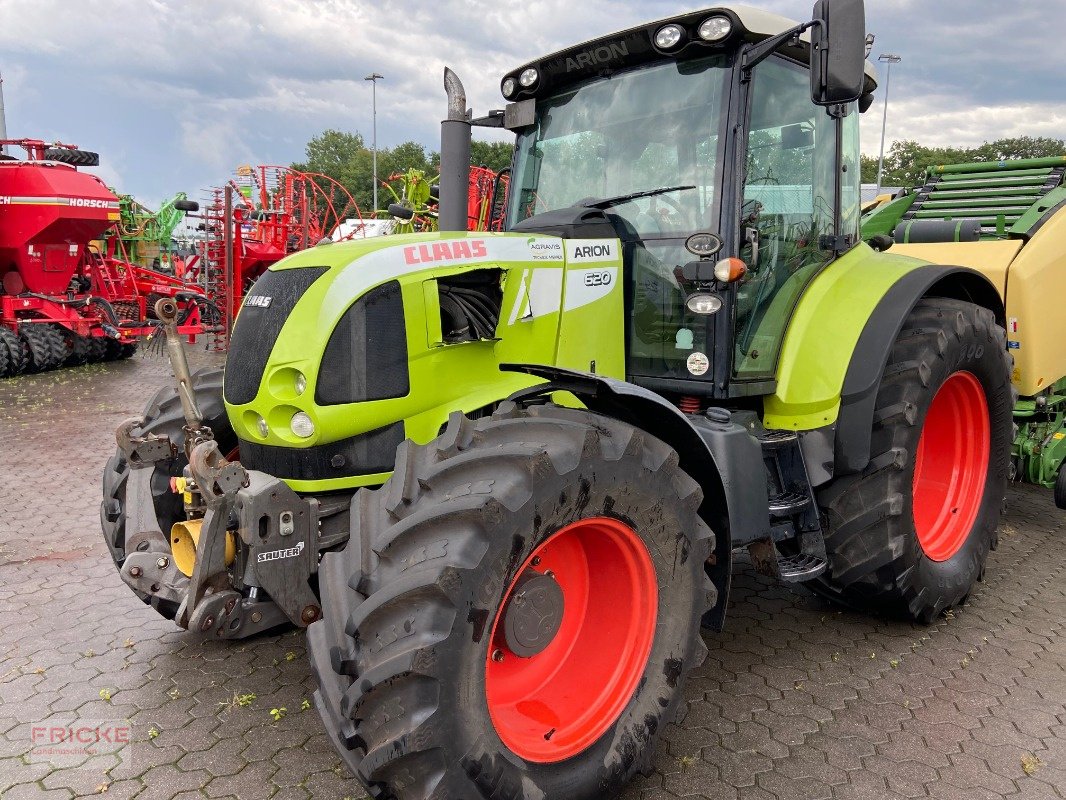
{"points": [[721, 456], [870, 357]]}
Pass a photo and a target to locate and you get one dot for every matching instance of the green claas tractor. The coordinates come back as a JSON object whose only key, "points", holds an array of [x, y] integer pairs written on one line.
{"points": [[502, 476]]}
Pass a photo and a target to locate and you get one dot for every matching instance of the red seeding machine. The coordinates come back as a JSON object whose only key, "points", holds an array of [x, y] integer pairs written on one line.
{"points": [[63, 300]]}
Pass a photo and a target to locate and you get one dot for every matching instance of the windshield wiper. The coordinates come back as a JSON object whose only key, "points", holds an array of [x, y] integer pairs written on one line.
{"points": [[625, 198]]}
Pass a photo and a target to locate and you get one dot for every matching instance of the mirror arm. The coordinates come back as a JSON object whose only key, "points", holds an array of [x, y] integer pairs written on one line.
{"points": [[758, 53], [494, 119]]}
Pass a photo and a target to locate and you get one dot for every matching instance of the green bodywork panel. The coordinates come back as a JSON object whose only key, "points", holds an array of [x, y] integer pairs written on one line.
{"points": [[823, 332], [884, 219], [1040, 446], [555, 311]]}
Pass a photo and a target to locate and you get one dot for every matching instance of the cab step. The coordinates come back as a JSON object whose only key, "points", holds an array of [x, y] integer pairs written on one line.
{"points": [[774, 439], [789, 503], [800, 567]]}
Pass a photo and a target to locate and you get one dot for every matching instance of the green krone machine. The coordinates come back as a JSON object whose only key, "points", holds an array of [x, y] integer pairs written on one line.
{"points": [[1006, 219], [501, 476]]}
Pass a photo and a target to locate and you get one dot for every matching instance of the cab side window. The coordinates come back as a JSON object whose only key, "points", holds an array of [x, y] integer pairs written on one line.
{"points": [[787, 206]]}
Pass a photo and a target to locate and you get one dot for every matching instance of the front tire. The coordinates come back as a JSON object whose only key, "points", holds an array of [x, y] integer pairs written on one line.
{"points": [[910, 534], [420, 682]]}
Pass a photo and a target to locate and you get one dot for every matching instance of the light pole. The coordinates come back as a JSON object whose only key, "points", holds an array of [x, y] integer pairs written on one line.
{"points": [[890, 59], [373, 77]]}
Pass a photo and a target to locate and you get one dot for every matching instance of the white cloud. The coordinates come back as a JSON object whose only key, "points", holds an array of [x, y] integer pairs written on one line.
{"points": [[180, 93]]}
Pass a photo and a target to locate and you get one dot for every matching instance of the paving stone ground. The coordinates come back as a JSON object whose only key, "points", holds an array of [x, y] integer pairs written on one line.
{"points": [[798, 699]]}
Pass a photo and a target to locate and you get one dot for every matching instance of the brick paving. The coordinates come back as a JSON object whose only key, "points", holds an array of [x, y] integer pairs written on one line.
{"points": [[798, 699]]}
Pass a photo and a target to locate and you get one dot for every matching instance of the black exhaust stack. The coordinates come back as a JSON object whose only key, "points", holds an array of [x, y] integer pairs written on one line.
{"points": [[454, 157]]}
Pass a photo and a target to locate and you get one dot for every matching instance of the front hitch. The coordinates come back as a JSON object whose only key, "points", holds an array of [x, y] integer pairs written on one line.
{"points": [[195, 430], [227, 596], [242, 559]]}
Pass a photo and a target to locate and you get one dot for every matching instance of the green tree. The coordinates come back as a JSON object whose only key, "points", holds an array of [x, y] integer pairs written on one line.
{"points": [[494, 155], [868, 168], [907, 161], [346, 158], [1020, 147]]}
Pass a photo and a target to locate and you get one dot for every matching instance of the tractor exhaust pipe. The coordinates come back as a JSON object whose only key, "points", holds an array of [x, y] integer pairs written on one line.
{"points": [[454, 157]]}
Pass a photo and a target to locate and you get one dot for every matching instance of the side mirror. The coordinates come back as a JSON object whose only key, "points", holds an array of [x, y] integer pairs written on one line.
{"points": [[838, 52]]}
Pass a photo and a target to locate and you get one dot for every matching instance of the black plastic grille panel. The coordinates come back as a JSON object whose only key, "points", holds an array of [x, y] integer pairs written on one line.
{"points": [[364, 454], [258, 327], [366, 357]]}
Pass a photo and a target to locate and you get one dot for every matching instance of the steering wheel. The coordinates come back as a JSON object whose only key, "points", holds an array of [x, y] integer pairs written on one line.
{"points": [[665, 218]]}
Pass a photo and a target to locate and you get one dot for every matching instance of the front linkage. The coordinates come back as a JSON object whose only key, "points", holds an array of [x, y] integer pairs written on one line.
{"points": [[242, 561]]}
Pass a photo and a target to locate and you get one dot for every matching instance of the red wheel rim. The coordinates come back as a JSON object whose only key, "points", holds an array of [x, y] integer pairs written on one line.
{"points": [[951, 466], [557, 703]]}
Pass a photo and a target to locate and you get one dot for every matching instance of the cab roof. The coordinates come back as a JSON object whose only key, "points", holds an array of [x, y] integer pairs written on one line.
{"points": [[635, 46]]}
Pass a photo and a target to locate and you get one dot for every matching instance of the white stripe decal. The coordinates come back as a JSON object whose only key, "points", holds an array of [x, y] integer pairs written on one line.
{"points": [[395, 261], [584, 286]]}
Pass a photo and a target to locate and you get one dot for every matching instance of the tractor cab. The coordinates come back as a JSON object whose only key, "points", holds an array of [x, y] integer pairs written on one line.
{"points": [[644, 130]]}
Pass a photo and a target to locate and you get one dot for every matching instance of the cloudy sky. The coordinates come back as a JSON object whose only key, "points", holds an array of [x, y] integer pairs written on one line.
{"points": [[175, 95]]}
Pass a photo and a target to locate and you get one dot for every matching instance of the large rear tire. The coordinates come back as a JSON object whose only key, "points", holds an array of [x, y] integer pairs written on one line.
{"points": [[13, 353], [163, 415], [44, 345], [77, 348], [97, 348], [911, 533], [76, 158], [450, 573]]}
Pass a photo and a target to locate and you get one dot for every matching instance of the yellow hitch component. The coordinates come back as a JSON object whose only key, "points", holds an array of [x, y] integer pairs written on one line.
{"points": [[184, 536], [179, 486]]}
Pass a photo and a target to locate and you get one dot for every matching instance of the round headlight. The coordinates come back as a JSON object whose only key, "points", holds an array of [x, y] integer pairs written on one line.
{"points": [[668, 36], [300, 384], [261, 426], [703, 244], [715, 29], [302, 425], [703, 303], [528, 77], [509, 87]]}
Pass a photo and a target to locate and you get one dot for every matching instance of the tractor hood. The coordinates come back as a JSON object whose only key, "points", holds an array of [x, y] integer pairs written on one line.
{"points": [[342, 351]]}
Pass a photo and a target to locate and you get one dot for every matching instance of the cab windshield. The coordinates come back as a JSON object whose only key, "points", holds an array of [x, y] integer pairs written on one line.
{"points": [[637, 131]]}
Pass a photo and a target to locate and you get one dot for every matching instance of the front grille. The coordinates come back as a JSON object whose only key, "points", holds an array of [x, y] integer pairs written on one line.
{"points": [[366, 357], [364, 454], [267, 306]]}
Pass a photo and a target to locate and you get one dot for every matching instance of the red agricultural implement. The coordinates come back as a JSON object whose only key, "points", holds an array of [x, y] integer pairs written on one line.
{"points": [[62, 301], [486, 198], [260, 216], [265, 212]]}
